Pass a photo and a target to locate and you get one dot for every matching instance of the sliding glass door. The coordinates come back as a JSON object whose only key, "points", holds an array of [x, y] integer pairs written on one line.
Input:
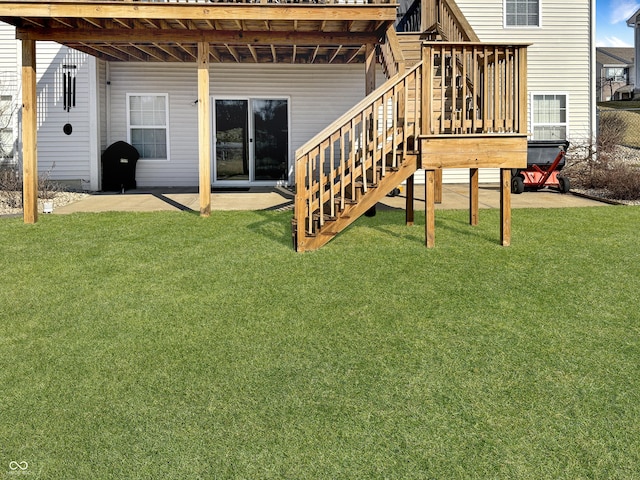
{"points": [[251, 141]]}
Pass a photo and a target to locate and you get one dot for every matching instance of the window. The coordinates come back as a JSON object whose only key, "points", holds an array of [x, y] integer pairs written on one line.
{"points": [[616, 74], [6, 128], [549, 116], [522, 13], [148, 120]]}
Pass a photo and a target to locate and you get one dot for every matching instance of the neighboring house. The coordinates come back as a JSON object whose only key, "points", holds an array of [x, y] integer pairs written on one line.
{"points": [[634, 21], [615, 73]]}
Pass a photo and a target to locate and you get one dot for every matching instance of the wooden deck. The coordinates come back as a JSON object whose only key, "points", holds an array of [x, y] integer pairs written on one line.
{"points": [[264, 31], [462, 104]]}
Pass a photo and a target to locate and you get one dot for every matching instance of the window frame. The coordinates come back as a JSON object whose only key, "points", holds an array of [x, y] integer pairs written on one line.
{"points": [[507, 25], [564, 124], [10, 120], [616, 78], [165, 126]]}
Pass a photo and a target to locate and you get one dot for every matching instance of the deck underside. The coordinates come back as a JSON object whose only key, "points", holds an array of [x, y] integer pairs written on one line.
{"points": [[260, 32]]}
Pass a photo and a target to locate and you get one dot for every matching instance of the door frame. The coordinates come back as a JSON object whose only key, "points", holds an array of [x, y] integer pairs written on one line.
{"points": [[251, 152]]}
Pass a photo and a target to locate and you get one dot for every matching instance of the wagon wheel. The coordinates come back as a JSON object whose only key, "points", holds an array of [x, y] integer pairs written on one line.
{"points": [[563, 182], [517, 184]]}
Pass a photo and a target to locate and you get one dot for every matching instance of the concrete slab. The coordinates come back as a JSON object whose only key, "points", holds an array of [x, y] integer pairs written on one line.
{"points": [[453, 197], [456, 197], [168, 199]]}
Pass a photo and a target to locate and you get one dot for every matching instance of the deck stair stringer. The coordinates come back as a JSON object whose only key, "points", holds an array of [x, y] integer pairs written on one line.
{"points": [[367, 200]]}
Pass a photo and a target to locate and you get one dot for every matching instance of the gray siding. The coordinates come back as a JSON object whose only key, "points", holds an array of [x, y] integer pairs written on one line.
{"points": [[317, 94], [65, 157], [60, 156]]}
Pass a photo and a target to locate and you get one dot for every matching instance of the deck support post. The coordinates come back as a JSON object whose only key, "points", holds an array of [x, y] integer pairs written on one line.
{"points": [[409, 214], [473, 196], [369, 68], [438, 185], [429, 209], [505, 206], [29, 132], [204, 130]]}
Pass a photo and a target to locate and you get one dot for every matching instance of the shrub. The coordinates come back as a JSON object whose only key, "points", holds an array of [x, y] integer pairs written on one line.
{"points": [[11, 186], [604, 164]]}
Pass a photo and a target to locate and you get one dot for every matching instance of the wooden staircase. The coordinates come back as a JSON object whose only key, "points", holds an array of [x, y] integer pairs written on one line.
{"points": [[456, 103], [347, 168]]}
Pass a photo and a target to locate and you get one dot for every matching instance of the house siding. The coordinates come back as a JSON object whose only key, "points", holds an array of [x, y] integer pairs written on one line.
{"points": [[60, 156], [63, 157], [9, 76], [559, 59], [317, 94]]}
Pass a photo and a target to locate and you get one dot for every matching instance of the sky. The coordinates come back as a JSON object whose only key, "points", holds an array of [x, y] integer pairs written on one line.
{"points": [[611, 22]]}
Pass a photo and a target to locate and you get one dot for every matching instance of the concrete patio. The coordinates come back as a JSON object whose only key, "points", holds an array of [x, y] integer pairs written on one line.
{"points": [[454, 196]]}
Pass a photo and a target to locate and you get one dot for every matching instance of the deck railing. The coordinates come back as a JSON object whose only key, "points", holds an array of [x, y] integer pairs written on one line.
{"points": [[446, 17], [390, 54], [356, 151], [474, 88], [410, 21]]}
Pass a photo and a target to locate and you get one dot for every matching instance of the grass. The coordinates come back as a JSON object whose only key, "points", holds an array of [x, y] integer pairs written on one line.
{"points": [[163, 345]]}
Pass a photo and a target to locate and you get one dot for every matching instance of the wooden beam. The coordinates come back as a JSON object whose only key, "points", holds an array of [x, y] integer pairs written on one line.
{"points": [[204, 130], [333, 57], [370, 68], [438, 185], [429, 209], [125, 35], [195, 11], [233, 53], [409, 213], [352, 57], [473, 196], [29, 132], [474, 151], [505, 207], [252, 50]]}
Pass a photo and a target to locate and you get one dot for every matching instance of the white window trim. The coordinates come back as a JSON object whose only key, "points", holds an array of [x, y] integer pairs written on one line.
{"points": [[532, 113], [166, 126], [11, 116], [504, 17]]}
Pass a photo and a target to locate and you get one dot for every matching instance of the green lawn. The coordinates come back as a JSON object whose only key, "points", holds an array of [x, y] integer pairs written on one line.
{"points": [[165, 345]]}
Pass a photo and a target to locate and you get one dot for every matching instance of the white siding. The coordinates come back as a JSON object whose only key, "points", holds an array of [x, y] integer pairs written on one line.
{"points": [[8, 50], [65, 157], [9, 73], [317, 95], [102, 103], [559, 59]]}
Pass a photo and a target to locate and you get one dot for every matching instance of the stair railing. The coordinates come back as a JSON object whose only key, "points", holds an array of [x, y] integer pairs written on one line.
{"points": [[474, 88], [410, 21], [336, 167], [446, 17], [390, 54]]}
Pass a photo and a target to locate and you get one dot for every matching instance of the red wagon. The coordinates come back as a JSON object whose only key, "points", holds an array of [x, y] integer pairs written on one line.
{"points": [[545, 159]]}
